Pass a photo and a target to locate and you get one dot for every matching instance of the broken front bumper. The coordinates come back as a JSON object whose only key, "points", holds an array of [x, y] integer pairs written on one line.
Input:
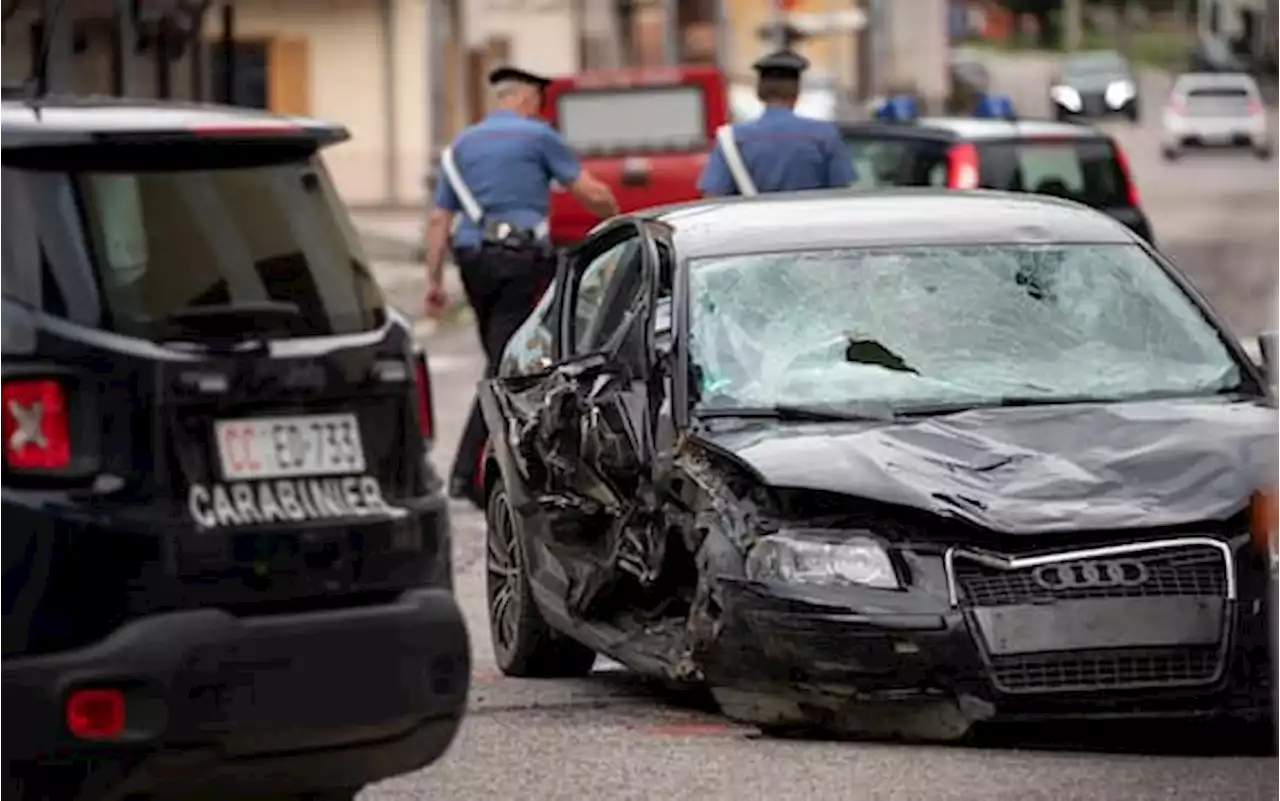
{"points": [[973, 640]]}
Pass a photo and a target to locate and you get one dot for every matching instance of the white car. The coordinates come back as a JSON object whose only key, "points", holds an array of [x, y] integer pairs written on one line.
{"points": [[1215, 110]]}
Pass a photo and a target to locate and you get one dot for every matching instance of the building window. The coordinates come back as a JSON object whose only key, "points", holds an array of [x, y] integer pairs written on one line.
{"points": [[249, 85], [273, 74]]}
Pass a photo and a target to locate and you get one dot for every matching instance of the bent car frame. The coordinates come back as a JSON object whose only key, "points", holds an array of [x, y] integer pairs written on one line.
{"points": [[889, 464]]}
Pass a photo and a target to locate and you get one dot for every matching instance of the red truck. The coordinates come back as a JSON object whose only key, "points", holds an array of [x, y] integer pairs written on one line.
{"points": [[644, 131]]}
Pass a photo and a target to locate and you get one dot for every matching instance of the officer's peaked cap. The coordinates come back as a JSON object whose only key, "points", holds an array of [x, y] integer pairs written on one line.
{"points": [[782, 64], [508, 73]]}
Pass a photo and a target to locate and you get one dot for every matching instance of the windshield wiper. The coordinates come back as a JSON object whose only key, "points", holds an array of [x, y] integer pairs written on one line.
{"points": [[800, 413], [1016, 401], [230, 324]]}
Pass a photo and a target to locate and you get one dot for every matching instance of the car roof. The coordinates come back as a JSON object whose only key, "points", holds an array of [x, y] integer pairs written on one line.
{"points": [[81, 120], [843, 218], [976, 129]]}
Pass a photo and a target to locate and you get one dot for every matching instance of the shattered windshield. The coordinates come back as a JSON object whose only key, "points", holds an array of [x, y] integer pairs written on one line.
{"points": [[941, 325]]}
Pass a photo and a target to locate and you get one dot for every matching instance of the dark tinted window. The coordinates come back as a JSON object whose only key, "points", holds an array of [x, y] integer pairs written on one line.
{"points": [[885, 161], [1085, 171], [1220, 91], [155, 243], [1213, 101], [1090, 64]]}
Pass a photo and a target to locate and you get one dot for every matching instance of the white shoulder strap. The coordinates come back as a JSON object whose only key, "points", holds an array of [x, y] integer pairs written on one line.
{"points": [[732, 158], [460, 188]]}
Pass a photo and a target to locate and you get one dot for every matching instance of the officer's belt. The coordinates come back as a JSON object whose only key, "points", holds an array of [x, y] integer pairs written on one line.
{"points": [[493, 232]]}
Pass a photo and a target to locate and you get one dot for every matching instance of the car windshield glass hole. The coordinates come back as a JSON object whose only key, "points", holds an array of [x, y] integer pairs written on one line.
{"points": [[946, 325]]}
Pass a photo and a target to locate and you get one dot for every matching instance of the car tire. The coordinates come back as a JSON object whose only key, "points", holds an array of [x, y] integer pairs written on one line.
{"points": [[524, 645], [1262, 153], [1169, 153], [1134, 114]]}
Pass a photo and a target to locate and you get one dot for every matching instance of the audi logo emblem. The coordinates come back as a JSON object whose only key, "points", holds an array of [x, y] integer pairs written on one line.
{"points": [[1112, 573]]}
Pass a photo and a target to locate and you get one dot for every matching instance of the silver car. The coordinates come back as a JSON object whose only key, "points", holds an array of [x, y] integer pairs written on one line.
{"points": [[1215, 110]]}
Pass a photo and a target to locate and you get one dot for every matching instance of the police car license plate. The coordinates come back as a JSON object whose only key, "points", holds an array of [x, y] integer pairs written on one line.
{"points": [[286, 447]]}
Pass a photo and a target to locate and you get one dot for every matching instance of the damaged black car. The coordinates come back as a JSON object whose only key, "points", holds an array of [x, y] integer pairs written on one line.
{"points": [[889, 464]]}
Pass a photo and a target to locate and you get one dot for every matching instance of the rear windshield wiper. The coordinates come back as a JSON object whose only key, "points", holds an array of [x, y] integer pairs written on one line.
{"points": [[224, 325], [798, 413]]}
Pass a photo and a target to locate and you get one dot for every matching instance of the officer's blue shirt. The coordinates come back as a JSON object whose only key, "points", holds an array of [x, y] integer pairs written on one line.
{"points": [[783, 152], [508, 163], [992, 105], [898, 107]]}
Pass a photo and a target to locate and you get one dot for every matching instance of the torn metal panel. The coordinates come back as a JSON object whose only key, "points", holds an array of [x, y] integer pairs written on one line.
{"points": [[577, 440]]}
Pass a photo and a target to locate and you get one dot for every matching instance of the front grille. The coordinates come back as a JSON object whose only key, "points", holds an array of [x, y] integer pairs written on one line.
{"points": [[1190, 568], [1119, 669], [1179, 570], [1093, 104]]}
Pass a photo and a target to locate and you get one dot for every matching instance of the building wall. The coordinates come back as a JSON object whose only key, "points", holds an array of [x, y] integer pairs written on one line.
{"points": [[344, 77], [830, 53], [916, 48], [337, 69], [543, 34]]}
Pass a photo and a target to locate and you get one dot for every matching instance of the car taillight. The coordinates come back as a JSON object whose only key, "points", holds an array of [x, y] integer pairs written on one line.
{"points": [[34, 425], [422, 386], [1123, 161], [1177, 104], [962, 167], [1255, 108], [96, 714]]}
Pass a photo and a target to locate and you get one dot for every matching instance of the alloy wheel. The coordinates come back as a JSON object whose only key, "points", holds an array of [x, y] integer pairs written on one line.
{"points": [[504, 574]]}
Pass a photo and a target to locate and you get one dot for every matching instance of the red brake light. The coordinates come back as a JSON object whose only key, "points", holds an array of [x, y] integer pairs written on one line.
{"points": [[96, 714], [34, 424], [1177, 104], [1255, 108], [422, 385], [1123, 161], [962, 167]]}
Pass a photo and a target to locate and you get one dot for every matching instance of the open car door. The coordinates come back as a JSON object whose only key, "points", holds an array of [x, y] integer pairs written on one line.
{"points": [[574, 443]]}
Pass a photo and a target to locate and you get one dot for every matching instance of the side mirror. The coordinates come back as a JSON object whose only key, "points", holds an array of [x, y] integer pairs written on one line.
{"points": [[1268, 342]]}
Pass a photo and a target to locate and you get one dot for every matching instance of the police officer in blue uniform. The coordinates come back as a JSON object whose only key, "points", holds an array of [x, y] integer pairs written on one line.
{"points": [[490, 209], [781, 151]]}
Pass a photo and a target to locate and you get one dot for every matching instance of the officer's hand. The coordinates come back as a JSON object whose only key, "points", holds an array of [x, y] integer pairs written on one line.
{"points": [[437, 300]]}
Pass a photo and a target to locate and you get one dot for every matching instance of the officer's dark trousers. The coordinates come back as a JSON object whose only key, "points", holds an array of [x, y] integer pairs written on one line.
{"points": [[502, 287]]}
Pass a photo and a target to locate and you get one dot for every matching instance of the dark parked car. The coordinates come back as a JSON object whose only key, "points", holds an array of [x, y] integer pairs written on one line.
{"points": [[227, 570], [889, 463], [1095, 83], [1067, 160]]}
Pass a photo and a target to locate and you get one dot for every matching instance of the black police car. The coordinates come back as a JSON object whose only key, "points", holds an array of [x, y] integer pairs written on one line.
{"points": [[227, 567], [1066, 160]]}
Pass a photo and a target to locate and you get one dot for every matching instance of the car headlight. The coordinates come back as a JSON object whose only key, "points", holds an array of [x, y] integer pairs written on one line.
{"points": [[1119, 92], [797, 557], [1067, 97]]}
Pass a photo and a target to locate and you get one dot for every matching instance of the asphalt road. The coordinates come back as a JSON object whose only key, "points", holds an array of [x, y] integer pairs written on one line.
{"points": [[611, 737]]}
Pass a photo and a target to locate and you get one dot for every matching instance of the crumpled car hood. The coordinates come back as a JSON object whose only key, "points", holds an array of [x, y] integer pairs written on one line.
{"points": [[1033, 469]]}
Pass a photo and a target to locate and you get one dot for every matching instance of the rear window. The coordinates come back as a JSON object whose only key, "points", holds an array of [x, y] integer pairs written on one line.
{"points": [[631, 120], [1086, 171], [134, 250], [1218, 100], [897, 162]]}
